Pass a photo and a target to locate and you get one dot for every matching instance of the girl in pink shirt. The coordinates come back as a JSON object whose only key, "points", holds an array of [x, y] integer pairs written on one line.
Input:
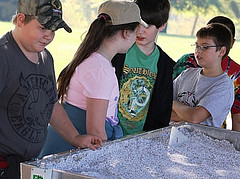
{"points": [[88, 86]]}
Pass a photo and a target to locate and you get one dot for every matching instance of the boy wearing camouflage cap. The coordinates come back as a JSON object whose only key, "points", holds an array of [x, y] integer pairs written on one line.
{"points": [[28, 87]]}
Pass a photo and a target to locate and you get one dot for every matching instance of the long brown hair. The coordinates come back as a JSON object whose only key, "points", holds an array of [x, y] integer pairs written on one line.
{"points": [[99, 29]]}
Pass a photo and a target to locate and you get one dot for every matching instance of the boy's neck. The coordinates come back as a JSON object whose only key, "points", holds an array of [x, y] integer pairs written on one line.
{"points": [[212, 72], [147, 49], [31, 56]]}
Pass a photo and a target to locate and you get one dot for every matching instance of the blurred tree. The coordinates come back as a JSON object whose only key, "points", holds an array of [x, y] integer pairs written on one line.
{"points": [[203, 7], [235, 8], [7, 9], [80, 13]]}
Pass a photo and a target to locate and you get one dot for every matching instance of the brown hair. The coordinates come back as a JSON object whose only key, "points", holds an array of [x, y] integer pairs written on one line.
{"points": [[220, 34], [226, 21], [27, 19], [98, 30], [154, 12]]}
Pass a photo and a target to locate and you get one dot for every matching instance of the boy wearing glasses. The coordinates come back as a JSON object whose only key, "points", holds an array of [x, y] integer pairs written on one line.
{"points": [[205, 95], [228, 65]]}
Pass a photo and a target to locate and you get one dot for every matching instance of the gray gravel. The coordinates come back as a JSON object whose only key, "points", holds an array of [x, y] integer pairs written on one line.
{"points": [[199, 157]]}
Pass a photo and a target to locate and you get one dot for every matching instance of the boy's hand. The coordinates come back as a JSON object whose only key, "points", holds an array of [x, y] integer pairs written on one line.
{"points": [[88, 141]]}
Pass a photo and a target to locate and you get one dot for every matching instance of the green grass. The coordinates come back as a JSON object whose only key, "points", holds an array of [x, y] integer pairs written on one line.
{"points": [[65, 44]]}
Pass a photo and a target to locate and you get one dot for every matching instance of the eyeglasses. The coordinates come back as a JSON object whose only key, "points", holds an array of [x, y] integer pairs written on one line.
{"points": [[204, 47]]}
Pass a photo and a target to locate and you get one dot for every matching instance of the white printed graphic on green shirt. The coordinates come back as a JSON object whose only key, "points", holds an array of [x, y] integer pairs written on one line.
{"points": [[136, 86]]}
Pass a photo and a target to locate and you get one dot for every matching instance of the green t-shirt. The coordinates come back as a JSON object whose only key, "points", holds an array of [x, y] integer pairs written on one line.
{"points": [[136, 86]]}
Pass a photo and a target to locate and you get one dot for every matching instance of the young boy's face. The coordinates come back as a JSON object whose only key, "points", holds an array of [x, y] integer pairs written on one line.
{"points": [[34, 37], [146, 36], [206, 53]]}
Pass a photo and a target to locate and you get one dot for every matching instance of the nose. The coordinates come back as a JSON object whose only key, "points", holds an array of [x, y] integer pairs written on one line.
{"points": [[141, 28], [49, 34], [198, 50]]}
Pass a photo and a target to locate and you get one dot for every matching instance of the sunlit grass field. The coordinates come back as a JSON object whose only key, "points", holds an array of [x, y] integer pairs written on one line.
{"points": [[65, 44]]}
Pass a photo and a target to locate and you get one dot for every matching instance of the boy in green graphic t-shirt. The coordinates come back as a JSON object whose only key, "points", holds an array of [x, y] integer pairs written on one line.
{"points": [[145, 74]]}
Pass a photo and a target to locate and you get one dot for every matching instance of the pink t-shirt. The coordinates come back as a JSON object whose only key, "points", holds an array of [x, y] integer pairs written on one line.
{"points": [[95, 78]]}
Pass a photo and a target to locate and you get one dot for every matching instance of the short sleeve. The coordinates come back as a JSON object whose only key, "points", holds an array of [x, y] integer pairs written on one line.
{"points": [[98, 83], [219, 99], [176, 84]]}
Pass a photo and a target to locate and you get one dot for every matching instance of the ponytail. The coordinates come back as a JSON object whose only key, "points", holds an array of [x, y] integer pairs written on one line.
{"points": [[100, 29], [90, 44]]}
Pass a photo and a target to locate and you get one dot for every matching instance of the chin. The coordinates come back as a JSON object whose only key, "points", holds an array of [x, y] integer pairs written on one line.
{"points": [[40, 49], [140, 42], [124, 51]]}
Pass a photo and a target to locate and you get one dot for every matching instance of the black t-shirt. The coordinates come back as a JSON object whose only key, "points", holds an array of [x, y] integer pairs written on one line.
{"points": [[27, 95]]}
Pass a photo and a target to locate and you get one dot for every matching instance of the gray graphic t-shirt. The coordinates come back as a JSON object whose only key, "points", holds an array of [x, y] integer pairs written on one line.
{"points": [[27, 95], [216, 94]]}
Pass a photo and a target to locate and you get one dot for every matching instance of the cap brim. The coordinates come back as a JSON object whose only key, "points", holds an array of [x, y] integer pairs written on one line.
{"points": [[67, 28], [62, 24], [53, 24], [144, 23]]}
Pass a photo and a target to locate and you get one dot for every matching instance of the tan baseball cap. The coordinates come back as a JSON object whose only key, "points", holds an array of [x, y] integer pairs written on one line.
{"points": [[47, 12], [122, 12]]}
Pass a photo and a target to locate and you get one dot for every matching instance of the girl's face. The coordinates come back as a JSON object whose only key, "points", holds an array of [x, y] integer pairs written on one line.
{"points": [[130, 39], [206, 53]]}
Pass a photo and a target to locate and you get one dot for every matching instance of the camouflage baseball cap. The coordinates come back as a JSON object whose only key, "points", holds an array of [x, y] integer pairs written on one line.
{"points": [[47, 12]]}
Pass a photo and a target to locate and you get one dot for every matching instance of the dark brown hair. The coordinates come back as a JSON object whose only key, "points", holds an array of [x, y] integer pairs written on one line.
{"points": [[220, 34], [154, 12], [226, 21]]}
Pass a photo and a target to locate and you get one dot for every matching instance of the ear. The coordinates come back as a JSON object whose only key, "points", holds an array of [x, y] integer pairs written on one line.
{"points": [[222, 51], [161, 28], [125, 34], [20, 19]]}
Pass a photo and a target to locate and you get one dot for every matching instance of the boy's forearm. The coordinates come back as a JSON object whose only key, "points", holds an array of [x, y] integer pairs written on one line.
{"points": [[190, 114], [62, 124], [174, 117], [182, 111]]}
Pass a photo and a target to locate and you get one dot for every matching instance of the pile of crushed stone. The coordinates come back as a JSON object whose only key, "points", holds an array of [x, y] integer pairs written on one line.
{"points": [[199, 156]]}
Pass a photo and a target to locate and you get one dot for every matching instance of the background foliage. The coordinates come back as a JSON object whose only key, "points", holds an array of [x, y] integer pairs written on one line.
{"points": [[186, 17]]}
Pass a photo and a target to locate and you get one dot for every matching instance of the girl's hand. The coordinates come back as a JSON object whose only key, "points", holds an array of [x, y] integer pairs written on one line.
{"points": [[88, 141]]}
